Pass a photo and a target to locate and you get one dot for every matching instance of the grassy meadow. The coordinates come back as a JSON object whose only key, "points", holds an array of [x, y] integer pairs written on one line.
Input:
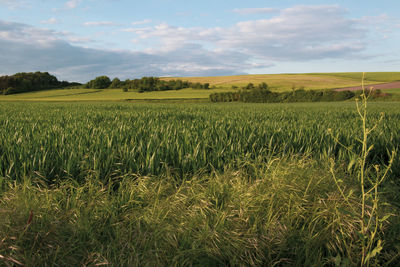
{"points": [[80, 94], [141, 184]]}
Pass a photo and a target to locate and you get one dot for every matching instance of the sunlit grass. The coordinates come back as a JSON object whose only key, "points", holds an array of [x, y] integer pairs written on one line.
{"points": [[284, 213], [62, 140], [109, 95], [188, 184]]}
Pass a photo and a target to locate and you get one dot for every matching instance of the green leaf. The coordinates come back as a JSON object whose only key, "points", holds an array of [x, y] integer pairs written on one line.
{"points": [[351, 164], [337, 260], [375, 251], [387, 216]]}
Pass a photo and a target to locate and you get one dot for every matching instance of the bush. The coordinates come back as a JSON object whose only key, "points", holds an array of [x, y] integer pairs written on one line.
{"points": [[9, 91], [261, 94]]}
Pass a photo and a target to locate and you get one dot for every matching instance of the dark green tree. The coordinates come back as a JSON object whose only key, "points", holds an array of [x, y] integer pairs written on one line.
{"points": [[30, 81], [116, 83], [100, 82]]}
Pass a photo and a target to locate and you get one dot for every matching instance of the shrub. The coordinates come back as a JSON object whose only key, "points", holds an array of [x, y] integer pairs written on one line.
{"points": [[10, 90], [261, 94]]}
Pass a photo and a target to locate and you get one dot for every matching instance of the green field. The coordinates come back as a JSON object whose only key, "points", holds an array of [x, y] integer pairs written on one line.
{"points": [[108, 95], [139, 184], [277, 82]]}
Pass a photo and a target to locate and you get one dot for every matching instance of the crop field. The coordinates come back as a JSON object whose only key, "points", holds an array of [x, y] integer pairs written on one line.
{"points": [[283, 82], [277, 82], [370, 76], [109, 95], [203, 184]]}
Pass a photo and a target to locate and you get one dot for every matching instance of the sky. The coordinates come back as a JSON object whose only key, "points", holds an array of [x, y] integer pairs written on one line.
{"points": [[78, 40]]}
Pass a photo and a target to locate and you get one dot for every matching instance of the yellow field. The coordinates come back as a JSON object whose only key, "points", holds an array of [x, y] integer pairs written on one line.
{"points": [[369, 76], [283, 82]]}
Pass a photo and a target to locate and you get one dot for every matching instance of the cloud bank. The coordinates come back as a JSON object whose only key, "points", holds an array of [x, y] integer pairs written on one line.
{"points": [[25, 48], [299, 33]]}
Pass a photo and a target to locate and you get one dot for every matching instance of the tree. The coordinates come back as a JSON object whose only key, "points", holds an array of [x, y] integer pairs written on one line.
{"points": [[29, 81], [100, 82], [263, 85], [250, 86], [116, 83]]}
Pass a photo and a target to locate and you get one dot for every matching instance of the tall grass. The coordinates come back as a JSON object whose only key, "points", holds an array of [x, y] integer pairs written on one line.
{"points": [[285, 213], [192, 185]]}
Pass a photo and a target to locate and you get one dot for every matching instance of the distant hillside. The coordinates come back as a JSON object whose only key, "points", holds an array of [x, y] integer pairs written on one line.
{"points": [[149, 88], [286, 82], [30, 81]]}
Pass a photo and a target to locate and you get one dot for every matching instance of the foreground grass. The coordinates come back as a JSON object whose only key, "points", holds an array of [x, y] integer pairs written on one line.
{"points": [[86, 184], [284, 212]]}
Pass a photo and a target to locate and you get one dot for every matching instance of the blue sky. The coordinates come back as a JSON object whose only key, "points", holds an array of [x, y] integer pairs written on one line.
{"points": [[78, 40]]}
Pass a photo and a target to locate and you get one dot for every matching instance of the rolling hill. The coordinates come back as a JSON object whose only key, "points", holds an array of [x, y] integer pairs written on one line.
{"points": [[277, 82]]}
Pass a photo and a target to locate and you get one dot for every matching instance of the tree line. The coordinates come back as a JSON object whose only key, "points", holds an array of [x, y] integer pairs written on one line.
{"points": [[262, 94], [145, 84], [30, 81], [36, 81]]}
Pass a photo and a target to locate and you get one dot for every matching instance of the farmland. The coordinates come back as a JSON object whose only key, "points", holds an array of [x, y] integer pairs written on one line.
{"points": [[308, 80], [108, 95], [107, 138], [276, 82], [190, 184], [199, 133]]}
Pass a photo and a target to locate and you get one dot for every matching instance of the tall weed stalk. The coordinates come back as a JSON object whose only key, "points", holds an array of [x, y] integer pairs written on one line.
{"points": [[369, 212]]}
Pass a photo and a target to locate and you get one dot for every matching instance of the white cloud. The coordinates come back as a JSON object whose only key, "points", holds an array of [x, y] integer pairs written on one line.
{"points": [[100, 23], [254, 11], [141, 22], [26, 48], [75, 39], [140, 31], [297, 33], [50, 21], [80, 40], [22, 33], [300, 33], [71, 4]]}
